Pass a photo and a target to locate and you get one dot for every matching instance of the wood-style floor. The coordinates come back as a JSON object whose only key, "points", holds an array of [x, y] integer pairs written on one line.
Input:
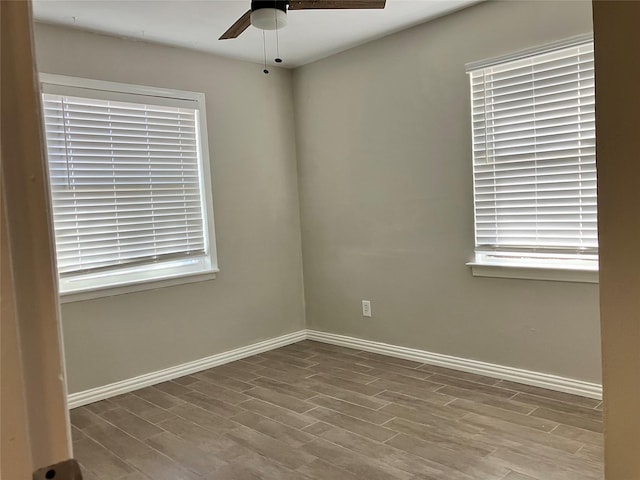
{"points": [[316, 411]]}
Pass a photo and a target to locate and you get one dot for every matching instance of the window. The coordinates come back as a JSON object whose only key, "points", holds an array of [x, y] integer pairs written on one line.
{"points": [[534, 168], [130, 185]]}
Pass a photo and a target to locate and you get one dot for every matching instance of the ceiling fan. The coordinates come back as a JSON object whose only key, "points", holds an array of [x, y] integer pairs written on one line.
{"points": [[272, 14]]}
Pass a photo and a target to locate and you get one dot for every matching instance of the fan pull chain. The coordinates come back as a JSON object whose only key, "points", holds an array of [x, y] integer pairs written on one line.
{"points": [[278, 59], [264, 49]]}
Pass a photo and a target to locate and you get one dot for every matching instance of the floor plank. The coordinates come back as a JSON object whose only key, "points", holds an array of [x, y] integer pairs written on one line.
{"points": [[289, 435], [353, 410], [559, 406], [568, 419], [132, 424], [351, 424], [277, 413], [359, 465], [543, 392], [538, 423]]}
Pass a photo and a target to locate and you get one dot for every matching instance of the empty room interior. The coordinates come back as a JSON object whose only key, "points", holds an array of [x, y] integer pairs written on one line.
{"points": [[346, 240]]}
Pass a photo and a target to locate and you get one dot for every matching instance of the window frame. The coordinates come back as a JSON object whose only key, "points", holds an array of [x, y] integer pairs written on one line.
{"points": [[172, 272], [572, 270]]}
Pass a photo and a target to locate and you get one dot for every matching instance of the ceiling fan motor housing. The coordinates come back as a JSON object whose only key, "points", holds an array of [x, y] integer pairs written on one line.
{"points": [[269, 14]]}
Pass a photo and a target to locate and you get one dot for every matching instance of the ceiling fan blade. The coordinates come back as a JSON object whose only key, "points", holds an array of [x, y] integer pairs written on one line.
{"points": [[335, 4], [237, 28]]}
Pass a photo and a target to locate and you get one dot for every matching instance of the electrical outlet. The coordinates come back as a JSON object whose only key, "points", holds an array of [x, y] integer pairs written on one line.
{"points": [[366, 308]]}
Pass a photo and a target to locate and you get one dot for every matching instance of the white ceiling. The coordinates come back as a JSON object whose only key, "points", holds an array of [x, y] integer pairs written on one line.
{"points": [[197, 24]]}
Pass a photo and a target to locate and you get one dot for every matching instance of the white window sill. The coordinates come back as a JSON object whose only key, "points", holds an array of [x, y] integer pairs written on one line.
{"points": [[122, 289], [534, 272]]}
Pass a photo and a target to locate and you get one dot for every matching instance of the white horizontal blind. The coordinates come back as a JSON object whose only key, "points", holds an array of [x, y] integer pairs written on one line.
{"points": [[125, 182], [534, 155]]}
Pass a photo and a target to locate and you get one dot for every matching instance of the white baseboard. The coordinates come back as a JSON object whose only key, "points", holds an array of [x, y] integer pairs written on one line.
{"points": [[100, 393], [552, 382]]}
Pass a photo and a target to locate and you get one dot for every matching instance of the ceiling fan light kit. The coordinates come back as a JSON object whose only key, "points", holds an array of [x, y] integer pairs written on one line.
{"points": [[269, 15]]}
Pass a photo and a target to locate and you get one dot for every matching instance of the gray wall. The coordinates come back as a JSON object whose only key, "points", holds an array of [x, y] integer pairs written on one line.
{"points": [[384, 160], [258, 293]]}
